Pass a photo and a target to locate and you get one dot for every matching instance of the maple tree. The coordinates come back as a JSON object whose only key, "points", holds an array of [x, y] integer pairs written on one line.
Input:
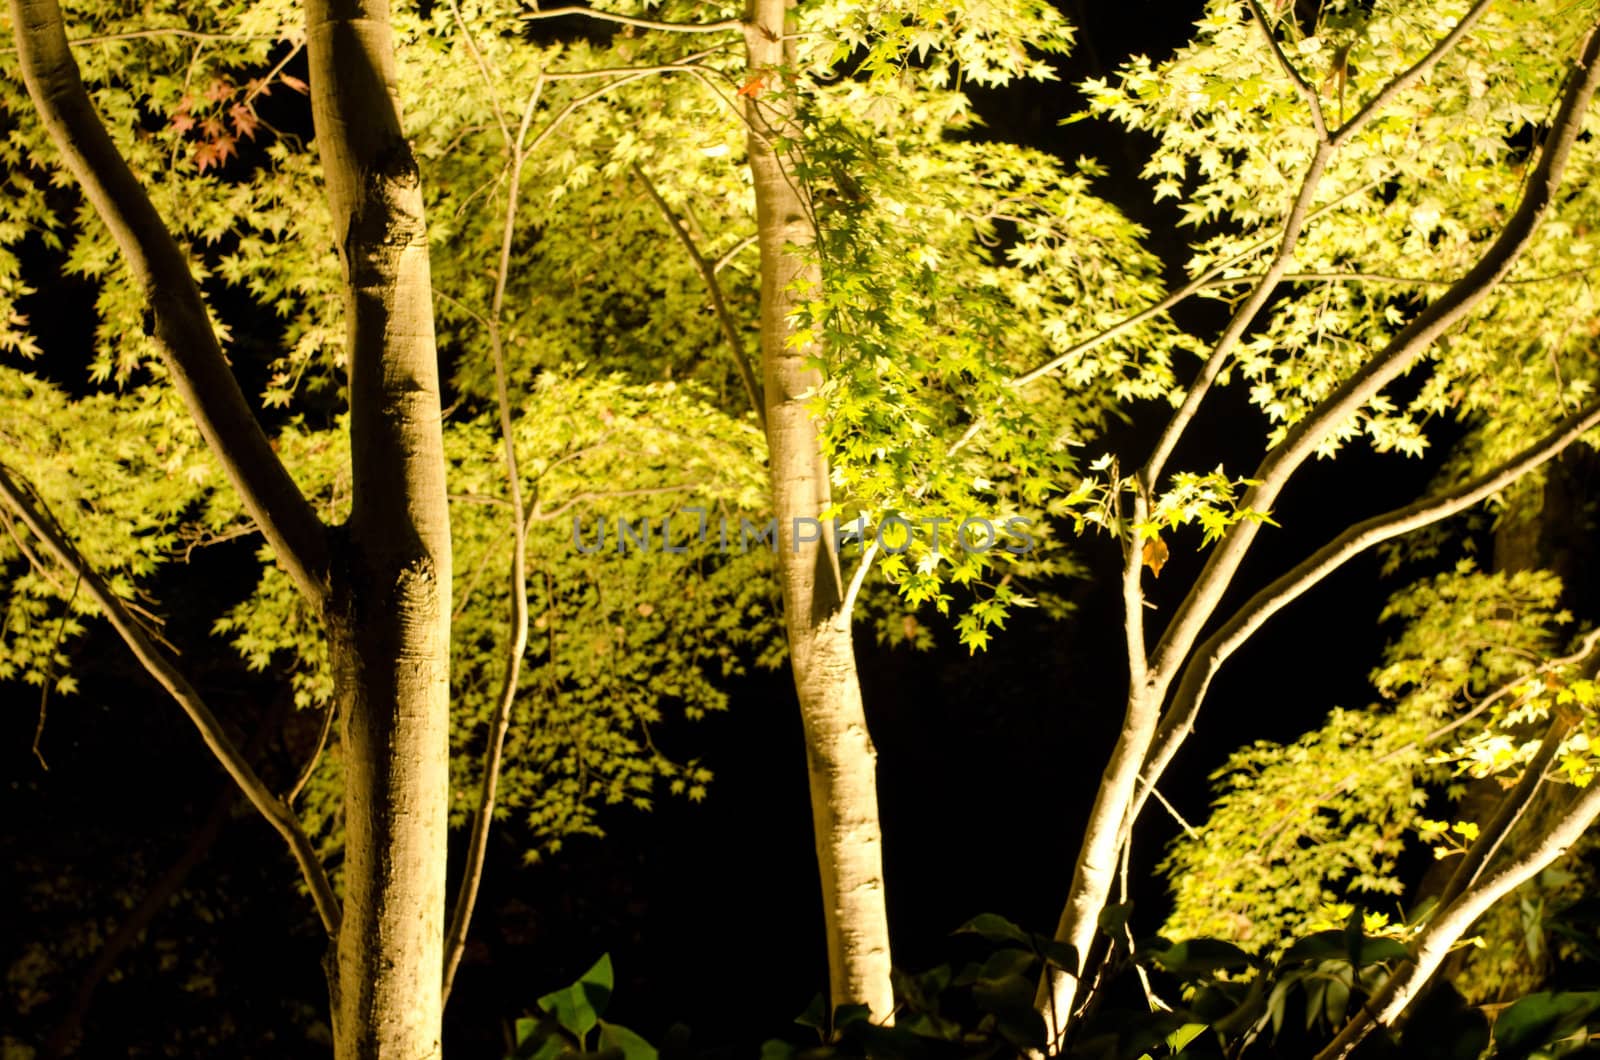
{"points": [[1388, 199]]}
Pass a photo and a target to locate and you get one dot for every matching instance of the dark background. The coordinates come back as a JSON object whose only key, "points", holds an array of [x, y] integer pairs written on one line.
{"points": [[710, 912]]}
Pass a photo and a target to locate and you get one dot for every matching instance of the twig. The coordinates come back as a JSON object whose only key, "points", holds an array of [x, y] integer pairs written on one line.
{"points": [[1307, 93], [50, 672], [517, 642], [708, 273], [310, 766], [724, 26]]}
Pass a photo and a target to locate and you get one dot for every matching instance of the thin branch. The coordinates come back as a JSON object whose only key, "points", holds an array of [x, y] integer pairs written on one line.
{"points": [[1436, 940], [265, 82], [537, 516], [733, 252], [1307, 93], [1417, 70], [1509, 810], [1172, 811], [181, 329], [1294, 223], [312, 759], [483, 70], [847, 608], [1477, 710], [726, 25], [1414, 281], [1188, 290], [708, 272], [685, 65], [517, 642], [269, 806], [50, 671]]}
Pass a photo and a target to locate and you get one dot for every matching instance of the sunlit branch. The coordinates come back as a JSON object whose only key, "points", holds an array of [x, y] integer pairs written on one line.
{"points": [[733, 252], [483, 71], [1510, 808], [1243, 317], [1409, 281], [1292, 227], [708, 273], [1410, 76], [847, 608], [42, 525], [517, 642], [310, 766], [625, 76], [1188, 290], [1433, 322], [181, 329], [537, 516], [266, 80], [1585, 648], [1201, 667], [1447, 926], [723, 26], [1307, 93]]}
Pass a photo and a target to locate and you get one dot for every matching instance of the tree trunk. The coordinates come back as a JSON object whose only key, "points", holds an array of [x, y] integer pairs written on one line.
{"points": [[841, 762], [388, 615]]}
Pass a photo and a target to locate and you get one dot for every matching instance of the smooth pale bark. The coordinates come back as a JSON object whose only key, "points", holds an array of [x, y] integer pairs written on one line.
{"points": [[1122, 788], [388, 615], [840, 759]]}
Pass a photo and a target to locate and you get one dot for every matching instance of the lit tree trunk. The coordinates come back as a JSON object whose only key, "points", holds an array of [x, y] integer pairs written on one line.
{"points": [[388, 612], [382, 581], [840, 759]]}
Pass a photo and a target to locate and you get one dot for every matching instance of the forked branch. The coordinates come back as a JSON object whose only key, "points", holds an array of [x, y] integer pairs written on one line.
{"points": [[1178, 720]]}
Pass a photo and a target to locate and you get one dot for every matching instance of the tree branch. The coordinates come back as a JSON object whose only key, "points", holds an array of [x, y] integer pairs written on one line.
{"points": [[1178, 720], [1453, 306], [43, 526], [726, 25], [1406, 79], [1307, 93], [455, 940], [181, 329], [708, 272], [1449, 924]]}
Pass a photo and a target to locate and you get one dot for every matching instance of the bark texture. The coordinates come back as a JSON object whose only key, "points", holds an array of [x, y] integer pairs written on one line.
{"points": [[388, 612], [840, 759]]}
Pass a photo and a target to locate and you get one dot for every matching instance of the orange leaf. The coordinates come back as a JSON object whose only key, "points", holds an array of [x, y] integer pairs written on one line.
{"points": [[1155, 555], [294, 84], [244, 120], [752, 88]]}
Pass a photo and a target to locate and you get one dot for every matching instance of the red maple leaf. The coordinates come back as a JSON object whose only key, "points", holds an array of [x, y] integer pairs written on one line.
{"points": [[244, 120], [752, 88]]}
